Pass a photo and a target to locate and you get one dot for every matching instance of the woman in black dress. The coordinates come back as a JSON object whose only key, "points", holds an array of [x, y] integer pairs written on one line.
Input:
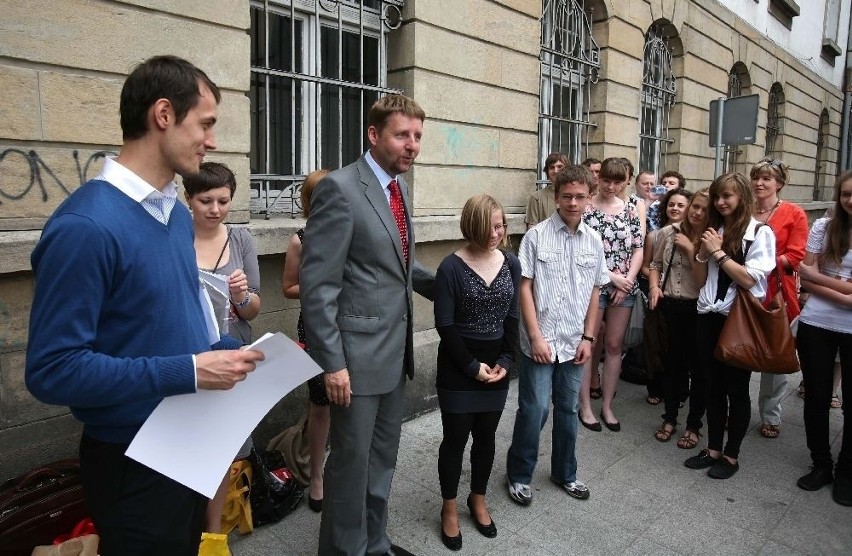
{"points": [[476, 315]]}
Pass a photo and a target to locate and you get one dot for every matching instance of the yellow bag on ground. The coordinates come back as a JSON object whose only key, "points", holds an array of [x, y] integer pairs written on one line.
{"points": [[237, 509], [214, 544]]}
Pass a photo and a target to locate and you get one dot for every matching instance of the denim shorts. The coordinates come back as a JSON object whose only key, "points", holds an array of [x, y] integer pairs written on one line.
{"points": [[604, 302]]}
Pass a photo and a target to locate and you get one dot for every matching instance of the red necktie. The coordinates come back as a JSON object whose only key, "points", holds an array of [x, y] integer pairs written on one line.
{"points": [[398, 211]]}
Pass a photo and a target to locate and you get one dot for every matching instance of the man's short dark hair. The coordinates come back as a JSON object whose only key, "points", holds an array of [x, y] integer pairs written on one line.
{"points": [[167, 77], [589, 161], [570, 174], [553, 158], [629, 166], [672, 174], [388, 105]]}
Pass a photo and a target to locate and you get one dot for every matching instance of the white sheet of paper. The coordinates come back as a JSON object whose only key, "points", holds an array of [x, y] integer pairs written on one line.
{"points": [[193, 438]]}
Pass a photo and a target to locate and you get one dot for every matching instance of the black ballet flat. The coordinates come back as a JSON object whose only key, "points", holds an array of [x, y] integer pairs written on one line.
{"points": [[315, 504], [453, 543], [489, 531]]}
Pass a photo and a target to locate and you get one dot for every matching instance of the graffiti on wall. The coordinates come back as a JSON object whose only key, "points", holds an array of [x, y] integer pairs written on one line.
{"points": [[40, 178]]}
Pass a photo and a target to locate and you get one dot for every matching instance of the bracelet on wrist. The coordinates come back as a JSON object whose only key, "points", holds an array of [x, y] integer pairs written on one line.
{"points": [[588, 338], [716, 251], [702, 261], [244, 303], [721, 260]]}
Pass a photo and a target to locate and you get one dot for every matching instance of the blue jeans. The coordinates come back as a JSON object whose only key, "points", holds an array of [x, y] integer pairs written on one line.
{"points": [[536, 382]]}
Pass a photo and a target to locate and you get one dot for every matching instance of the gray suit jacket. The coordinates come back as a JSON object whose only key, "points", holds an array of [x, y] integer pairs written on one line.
{"points": [[354, 285]]}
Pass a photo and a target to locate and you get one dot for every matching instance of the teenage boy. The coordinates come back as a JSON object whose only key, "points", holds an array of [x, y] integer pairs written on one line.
{"points": [[562, 271], [540, 204]]}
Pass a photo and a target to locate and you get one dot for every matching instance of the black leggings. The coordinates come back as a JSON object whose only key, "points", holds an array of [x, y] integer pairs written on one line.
{"points": [[680, 362], [817, 350], [458, 427], [727, 390]]}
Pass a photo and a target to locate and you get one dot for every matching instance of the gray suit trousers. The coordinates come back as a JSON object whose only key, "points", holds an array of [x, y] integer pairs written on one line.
{"points": [[364, 441]]}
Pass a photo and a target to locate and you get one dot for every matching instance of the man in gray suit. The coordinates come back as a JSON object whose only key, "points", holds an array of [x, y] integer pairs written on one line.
{"points": [[356, 279]]}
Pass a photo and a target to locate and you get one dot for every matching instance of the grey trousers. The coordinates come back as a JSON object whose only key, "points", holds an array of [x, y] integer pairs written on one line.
{"points": [[364, 440], [772, 389]]}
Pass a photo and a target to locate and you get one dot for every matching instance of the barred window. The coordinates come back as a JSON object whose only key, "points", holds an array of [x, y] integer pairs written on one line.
{"points": [[658, 97], [316, 68], [774, 119], [821, 193], [739, 83], [570, 62]]}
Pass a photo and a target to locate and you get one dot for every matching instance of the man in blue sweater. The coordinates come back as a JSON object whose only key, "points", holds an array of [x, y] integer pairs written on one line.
{"points": [[116, 322]]}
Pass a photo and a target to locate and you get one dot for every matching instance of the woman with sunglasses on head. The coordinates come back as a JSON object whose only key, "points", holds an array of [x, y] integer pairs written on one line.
{"points": [[674, 290], [735, 251], [790, 225], [825, 326]]}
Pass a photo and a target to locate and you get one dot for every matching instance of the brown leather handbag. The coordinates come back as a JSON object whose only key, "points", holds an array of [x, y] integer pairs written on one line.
{"points": [[757, 337], [39, 505]]}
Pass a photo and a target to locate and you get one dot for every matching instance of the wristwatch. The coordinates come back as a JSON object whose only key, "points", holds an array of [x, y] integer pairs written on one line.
{"points": [[589, 338]]}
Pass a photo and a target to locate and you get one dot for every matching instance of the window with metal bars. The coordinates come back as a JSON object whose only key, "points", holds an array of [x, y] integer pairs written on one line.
{"points": [[570, 62], [316, 68], [657, 100], [774, 119], [738, 83]]}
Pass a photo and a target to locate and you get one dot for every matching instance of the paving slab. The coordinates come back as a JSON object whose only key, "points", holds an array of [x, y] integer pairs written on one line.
{"points": [[643, 499]]}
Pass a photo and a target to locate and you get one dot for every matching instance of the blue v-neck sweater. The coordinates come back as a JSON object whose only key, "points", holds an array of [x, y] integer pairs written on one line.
{"points": [[116, 315]]}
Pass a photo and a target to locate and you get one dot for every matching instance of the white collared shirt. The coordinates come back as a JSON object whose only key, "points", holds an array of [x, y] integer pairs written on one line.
{"points": [[383, 177], [564, 268], [157, 204], [759, 262]]}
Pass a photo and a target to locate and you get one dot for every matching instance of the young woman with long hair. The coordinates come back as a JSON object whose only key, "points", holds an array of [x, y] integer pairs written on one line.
{"points": [[735, 251], [677, 297], [825, 326]]}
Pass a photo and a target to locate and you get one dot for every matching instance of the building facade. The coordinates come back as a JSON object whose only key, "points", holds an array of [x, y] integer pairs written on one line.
{"points": [[503, 83]]}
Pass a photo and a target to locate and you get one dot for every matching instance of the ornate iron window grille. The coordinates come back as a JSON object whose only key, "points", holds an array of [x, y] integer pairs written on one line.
{"points": [[570, 63], [316, 68], [774, 118], [733, 152], [658, 97]]}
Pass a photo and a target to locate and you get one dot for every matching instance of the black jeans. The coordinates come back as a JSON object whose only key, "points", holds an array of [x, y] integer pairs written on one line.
{"points": [[728, 398], [680, 361], [817, 350], [458, 427], [135, 509]]}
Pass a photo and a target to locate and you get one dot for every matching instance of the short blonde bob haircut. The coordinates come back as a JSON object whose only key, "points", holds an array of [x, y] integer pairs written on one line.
{"points": [[311, 181], [476, 220]]}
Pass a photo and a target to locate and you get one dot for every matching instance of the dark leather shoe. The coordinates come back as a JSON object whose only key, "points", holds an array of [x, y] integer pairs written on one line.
{"points": [[701, 461], [314, 504], [842, 491], [614, 427], [817, 478], [596, 426], [723, 469], [489, 530]]}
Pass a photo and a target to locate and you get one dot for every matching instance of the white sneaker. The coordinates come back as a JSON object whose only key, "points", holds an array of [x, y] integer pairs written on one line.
{"points": [[575, 489], [520, 493]]}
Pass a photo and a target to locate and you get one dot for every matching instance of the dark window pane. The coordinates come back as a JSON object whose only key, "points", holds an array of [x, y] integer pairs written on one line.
{"points": [[280, 42], [278, 120]]}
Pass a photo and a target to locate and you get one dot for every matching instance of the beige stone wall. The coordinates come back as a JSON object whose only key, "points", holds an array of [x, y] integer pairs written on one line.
{"points": [[473, 66], [62, 65]]}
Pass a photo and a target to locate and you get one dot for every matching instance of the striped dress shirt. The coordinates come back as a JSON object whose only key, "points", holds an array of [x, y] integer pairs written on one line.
{"points": [[564, 268]]}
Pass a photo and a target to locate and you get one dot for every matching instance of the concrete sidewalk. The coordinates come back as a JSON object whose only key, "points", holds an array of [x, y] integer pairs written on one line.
{"points": [[643, 500]]}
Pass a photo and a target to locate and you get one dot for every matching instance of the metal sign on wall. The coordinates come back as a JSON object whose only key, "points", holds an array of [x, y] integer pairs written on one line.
{"points": [[739, 121]]}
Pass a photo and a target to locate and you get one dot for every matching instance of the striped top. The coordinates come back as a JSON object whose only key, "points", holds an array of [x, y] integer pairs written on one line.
{"points": [[564, 268]]}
